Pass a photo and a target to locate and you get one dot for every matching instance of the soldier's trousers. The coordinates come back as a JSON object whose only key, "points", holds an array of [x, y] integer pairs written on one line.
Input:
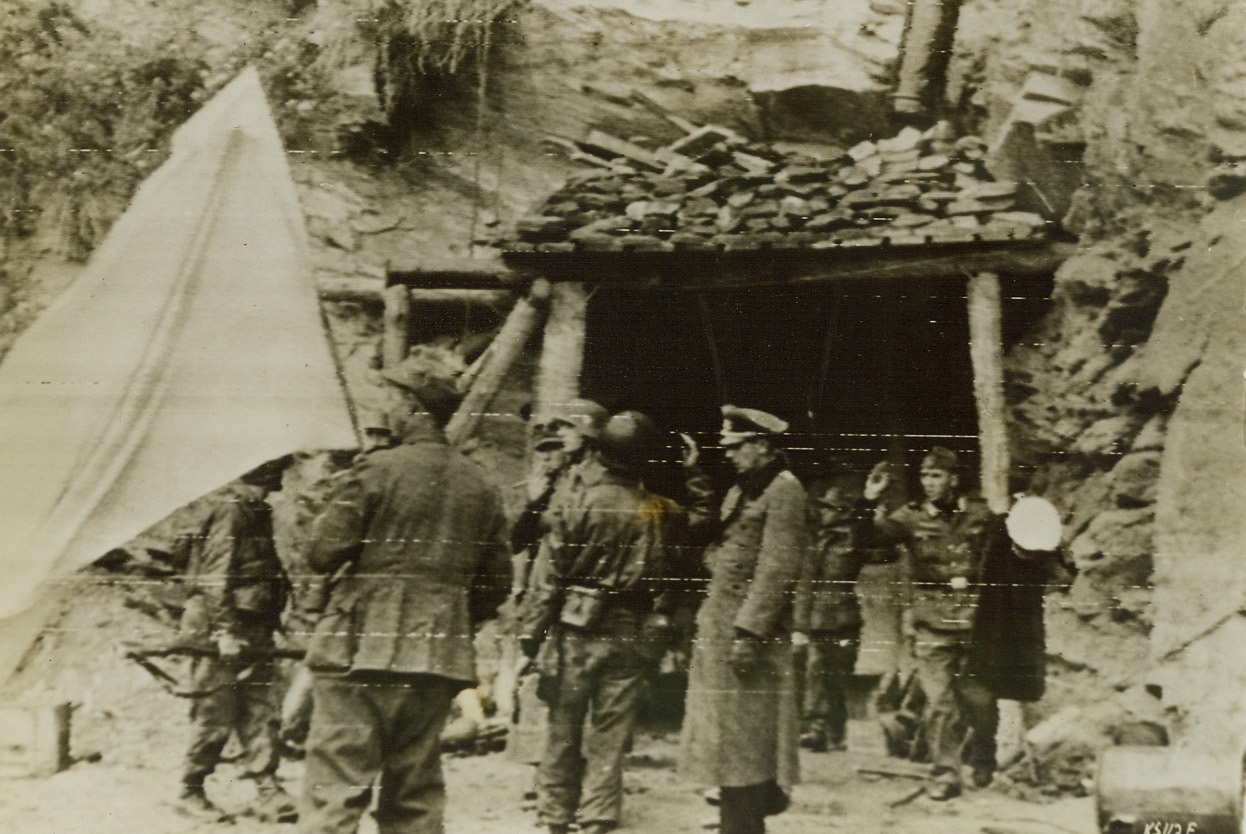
{"points": [[369, 729], [592, 709], [830, 664], [958, 707], [245, 707]]}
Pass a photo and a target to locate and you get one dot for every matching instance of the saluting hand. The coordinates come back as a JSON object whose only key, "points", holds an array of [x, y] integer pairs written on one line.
{"points": [[877, 482], [689, 452]]}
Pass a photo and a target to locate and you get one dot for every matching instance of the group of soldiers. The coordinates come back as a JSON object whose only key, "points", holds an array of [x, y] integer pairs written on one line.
{"points": [[592, 580]]}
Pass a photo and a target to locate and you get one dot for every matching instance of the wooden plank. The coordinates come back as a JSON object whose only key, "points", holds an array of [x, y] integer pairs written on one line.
{"points": [[453, 273], [658, 110], [525, 317], [598, 140], [361, 290], [371, 291]]}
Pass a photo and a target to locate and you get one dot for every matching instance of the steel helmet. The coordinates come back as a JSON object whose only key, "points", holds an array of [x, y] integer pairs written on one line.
{"points": [[629, 439]]}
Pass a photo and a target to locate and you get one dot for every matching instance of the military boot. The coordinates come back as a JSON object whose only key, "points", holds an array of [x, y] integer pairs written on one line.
{"points": [[272, 803], [815, 740], [193, 802]]}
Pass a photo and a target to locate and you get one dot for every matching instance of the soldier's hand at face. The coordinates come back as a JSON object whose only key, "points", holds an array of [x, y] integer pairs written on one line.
{"points": [[689, 452], [229, 647]]}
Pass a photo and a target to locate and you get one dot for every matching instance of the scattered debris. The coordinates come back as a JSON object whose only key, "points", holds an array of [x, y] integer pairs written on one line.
{"points": [[894, 772], [907, 798]]}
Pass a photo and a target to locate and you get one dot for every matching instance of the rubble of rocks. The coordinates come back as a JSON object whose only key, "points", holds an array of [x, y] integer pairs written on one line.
{"points": [[712, 190]]}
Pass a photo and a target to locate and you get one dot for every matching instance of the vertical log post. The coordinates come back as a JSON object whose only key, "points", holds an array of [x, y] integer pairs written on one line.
{"points": [[506, 347], [987, 357], [395, 325], [986, 352], [562, 351]]}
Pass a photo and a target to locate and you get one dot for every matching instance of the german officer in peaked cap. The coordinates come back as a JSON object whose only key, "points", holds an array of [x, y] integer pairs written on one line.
{"points": [[741, 724]]}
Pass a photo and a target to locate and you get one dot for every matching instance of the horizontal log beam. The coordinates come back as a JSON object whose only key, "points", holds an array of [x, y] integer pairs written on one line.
{"points": [[370, 290], [705, 270], [454, 273]]}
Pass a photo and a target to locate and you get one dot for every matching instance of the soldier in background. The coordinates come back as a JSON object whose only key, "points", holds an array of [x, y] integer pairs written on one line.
{"points": [[947, 536], [590, 626], [237, 589], [830, 614]]}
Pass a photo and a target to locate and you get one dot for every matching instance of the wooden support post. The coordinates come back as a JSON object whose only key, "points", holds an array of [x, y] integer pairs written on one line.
{"points": [[396, 325], [987, 357], [562, 351], [986, 352], [507, 346]]}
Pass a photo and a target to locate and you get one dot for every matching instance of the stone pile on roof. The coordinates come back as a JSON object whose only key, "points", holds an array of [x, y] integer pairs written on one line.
{"points": [[712, 190]]}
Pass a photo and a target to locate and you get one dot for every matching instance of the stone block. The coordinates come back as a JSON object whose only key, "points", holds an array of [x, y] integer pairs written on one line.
{"points": [[1135, 480], [541, 228], [34, 740], [616, 225]]}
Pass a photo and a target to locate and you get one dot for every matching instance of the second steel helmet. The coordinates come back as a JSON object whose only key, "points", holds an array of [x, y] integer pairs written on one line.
{"points": [[629, 439]]}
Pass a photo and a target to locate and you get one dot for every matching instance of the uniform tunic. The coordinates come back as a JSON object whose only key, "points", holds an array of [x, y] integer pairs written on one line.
{"points": [[741, 731], [948, 543], [829, 611]]}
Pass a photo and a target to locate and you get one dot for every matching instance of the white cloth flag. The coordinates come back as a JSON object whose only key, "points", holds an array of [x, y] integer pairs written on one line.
{"points": [[190, 350]]}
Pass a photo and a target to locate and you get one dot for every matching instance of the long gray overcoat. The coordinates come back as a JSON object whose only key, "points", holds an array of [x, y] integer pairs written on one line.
{"points": [[743, 730]]}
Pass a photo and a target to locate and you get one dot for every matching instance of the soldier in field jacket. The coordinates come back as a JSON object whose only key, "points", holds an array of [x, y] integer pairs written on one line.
{"points": [[947, 536], [741, 723], [591, 624], [414, 537]]}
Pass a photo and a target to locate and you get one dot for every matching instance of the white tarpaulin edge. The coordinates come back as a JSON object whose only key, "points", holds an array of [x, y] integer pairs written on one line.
{"points": [[191, 349]]}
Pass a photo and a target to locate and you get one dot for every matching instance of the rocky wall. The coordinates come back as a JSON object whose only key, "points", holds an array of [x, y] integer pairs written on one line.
{"points": [[1128, 399]]}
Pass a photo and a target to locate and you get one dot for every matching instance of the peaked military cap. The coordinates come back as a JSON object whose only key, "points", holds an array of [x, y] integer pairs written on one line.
{"points": [[586, 416], [741, 424]]}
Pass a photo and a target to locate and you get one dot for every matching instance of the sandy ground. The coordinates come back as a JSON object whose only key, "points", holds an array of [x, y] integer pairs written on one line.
{"points": [[128, 736], [485, 797]]}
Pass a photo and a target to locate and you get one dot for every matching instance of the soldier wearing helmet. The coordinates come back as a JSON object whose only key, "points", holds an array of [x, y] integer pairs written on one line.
{"points": [[562, 436], [946, 535], [608, 548]]}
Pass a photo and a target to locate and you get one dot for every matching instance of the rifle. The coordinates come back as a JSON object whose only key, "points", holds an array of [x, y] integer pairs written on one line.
{"points": [[145, 655]]}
